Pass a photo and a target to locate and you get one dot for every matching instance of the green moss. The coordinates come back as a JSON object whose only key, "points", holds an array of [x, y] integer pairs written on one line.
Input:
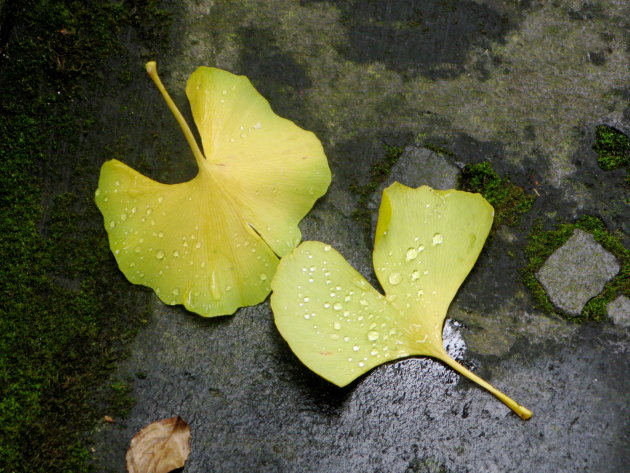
{"points": [[542, 243], [378, 175], [67, 312], [613, 148], [510, 201]]}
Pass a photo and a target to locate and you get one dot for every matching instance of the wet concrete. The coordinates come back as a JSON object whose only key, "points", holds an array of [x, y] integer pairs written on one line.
{"points": [[510, 82]]}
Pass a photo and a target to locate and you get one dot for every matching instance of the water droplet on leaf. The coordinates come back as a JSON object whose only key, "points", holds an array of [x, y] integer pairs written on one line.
{"points": [[394, 278]]}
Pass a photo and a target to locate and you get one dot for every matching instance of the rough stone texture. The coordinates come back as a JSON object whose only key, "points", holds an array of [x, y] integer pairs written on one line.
{"points": [[521, 84], [577, 272], [619, 311]]}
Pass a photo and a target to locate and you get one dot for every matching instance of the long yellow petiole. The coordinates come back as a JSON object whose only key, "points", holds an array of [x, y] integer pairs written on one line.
{"points": [[521, 411], [152, 71]]}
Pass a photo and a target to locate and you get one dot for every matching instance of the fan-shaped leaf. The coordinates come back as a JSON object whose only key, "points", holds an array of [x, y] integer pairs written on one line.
{"points": [[339, 326], [212, 243]]}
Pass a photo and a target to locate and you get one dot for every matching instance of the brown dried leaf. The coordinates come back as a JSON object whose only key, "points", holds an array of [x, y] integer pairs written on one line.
{"points": [[159, 447]]}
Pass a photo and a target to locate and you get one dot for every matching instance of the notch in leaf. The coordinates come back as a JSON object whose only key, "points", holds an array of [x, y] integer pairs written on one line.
{"points": [[212, 243], [338, 325]]}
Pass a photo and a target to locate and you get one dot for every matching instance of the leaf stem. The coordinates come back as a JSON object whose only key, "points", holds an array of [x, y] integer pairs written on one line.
{"points": [[152, 71], [521, 411]]}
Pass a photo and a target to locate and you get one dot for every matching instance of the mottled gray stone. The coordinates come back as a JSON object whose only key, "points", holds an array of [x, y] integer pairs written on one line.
{"points": [[418, 166], [577, 272], [619, 311]]}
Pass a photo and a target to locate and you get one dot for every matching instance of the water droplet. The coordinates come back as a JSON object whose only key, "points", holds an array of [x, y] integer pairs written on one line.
{"points": [[133, 210], [97, 193], [160, 199], [373, 352], [327, 248], [228, 288], [337, 326], [176, 292], [257, 126], [149, 211], [123, 217], [117, 183], [137, 249], [361, 364], [420, 292], [224, 92], [263, 277], [355, 348], [347, 299], [346, 339], [326, 305], [306, 299], [412, 254], [394, 278], [438, 239], [415, 274], [373, 335], [359, 282], [420, 248], [426, 272], [243, 135], [307, 316], [363, 302], [198, 245], [333, 294], [338, 306], [175, 253], [311, 280]]}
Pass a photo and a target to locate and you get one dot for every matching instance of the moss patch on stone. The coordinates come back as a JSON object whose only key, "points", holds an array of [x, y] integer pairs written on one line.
{"points": [[67, 312], [510, 201], [542, 243], [612, 146]]}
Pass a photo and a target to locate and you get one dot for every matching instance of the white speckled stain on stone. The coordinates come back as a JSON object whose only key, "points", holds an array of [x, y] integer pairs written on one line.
{"points": [[619, 311], [577, 272]]}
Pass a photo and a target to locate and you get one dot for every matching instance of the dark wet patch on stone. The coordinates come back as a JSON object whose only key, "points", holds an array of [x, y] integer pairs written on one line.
{"points": [[276, 75], [426, 37]]}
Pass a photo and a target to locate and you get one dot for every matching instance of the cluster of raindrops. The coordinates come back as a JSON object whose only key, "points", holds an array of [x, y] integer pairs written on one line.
{"points": [[352, 320]]}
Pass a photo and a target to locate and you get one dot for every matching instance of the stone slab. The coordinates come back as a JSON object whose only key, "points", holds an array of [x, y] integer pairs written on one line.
{"points": [[576, 272]]}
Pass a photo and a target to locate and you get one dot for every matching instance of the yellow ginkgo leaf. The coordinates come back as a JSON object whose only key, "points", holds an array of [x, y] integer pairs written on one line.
{"points": [[426, 243], [212, 243]]}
